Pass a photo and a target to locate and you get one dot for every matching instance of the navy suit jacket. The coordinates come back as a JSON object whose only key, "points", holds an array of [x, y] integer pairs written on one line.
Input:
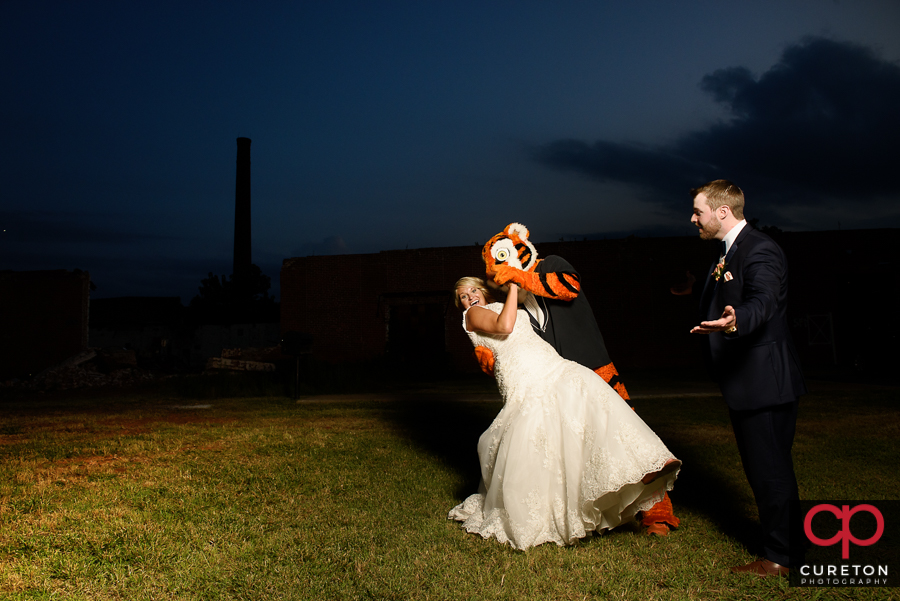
{"points": [[757, 366], [570, 326]]}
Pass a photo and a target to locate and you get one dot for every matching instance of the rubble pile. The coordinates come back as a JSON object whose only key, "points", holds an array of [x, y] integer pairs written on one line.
{"points": [[246, 359], [89, 368]]}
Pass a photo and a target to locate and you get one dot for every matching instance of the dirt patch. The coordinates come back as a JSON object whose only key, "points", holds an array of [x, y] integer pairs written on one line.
{"points": [[130, 426], [80, 469], [109, 426]]}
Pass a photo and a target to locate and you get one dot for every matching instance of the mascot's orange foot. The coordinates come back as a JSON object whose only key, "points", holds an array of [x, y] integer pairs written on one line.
{"points": [[657, 529]]}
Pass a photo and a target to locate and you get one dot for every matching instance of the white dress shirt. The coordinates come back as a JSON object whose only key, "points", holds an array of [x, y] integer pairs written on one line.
{"points": [[730, 236]]}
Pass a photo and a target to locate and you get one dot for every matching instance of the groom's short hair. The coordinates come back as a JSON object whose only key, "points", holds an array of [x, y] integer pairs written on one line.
{"points": [[722, 192]]}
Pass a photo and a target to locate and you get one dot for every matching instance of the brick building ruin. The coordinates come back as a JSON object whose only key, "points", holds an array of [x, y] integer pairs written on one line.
{"points": [[43, 319], [397, 304]]}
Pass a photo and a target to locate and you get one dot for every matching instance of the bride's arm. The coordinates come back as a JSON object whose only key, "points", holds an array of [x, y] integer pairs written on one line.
{"points": [[492, 323]]}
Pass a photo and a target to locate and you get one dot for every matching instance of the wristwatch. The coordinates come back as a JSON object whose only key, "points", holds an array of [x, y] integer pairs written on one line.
{"points": [[731, 330]]}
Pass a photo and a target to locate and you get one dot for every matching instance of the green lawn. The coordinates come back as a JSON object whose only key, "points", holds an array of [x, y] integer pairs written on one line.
{"points": [[139, 495]]}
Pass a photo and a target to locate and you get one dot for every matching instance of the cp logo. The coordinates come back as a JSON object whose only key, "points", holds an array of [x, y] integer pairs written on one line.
{"points": [[844, 514]]}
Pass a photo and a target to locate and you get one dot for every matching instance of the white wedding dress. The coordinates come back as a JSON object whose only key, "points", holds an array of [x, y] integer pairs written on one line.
{"points": [[565, 456]]}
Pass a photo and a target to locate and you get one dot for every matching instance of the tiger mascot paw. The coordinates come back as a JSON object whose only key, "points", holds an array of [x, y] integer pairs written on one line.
{"points": [[511, 257], [485, 359]]}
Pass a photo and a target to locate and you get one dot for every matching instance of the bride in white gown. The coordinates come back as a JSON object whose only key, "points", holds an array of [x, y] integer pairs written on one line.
{"points": [[566, 456]]}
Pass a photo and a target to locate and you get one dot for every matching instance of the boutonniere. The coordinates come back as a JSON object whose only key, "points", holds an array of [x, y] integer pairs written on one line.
{"points": [[719, 271]]}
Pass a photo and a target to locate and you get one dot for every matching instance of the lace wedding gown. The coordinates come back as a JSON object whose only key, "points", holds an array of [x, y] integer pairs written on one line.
{"points": [[565, 456]]}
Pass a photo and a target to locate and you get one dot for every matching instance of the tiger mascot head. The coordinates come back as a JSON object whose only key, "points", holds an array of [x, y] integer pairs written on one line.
{"points": [[511, 248], [510, 257]]}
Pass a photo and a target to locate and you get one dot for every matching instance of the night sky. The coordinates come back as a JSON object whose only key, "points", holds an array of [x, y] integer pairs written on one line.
{"points": [[385, 125]]}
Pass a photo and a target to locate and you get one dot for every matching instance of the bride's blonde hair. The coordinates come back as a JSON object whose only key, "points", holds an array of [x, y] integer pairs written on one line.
{"points": [[471, 282]]}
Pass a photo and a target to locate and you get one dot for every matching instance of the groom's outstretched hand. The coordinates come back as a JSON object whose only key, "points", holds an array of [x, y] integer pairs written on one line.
{"points": [[727, 323]]}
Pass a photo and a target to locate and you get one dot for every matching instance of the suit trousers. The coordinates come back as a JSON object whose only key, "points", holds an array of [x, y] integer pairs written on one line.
{"points": [[764, 439]]}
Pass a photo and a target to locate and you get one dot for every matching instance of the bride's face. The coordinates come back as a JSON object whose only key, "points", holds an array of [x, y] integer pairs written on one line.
{"points": [[469, 296]]}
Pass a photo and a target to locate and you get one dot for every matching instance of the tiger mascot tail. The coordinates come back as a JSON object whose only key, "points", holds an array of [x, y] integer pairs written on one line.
{"points": [[511, 257]]}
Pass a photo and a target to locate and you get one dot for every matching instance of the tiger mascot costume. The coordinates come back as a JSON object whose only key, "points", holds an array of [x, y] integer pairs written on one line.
{"points": [[560, 314]]}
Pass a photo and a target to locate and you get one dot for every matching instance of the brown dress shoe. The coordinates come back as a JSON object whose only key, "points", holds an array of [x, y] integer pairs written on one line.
{"points": [[762, 567]]}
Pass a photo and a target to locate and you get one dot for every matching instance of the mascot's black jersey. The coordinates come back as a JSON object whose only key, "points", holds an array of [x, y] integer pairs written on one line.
{"points": [[570, 326]]}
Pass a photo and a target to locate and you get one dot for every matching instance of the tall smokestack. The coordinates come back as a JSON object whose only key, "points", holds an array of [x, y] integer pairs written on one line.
{"points": [[242, 258]]}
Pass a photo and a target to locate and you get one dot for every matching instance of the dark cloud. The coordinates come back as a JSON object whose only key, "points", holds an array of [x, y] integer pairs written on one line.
{"points": [[821, 124], [53, 227], [117, 255], [656, 169], [653, 231], [114, 253], [115, 274]]}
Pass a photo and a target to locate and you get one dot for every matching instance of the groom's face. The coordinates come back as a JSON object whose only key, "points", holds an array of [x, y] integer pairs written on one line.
{"points": [[705, 219]]}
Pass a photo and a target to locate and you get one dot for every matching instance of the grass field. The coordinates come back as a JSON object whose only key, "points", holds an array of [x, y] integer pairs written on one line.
{"points": [[147, 494]]}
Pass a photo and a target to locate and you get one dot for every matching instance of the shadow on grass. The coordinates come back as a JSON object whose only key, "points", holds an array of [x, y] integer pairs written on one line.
{"points": [[448, 429], [703, 489]]}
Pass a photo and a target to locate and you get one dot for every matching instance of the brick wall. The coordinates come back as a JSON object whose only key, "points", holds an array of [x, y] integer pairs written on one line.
{"points": [[344, 301], [837, 279]]}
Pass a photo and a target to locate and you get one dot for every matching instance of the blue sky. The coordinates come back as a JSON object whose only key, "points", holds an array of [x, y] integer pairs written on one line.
{"points": [[385, 125]]}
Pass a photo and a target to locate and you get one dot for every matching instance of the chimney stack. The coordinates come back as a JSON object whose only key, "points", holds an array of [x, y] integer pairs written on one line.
{"points": [[242, 258]]}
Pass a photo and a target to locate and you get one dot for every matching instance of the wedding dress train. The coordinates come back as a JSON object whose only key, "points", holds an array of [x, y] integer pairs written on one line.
{"points": [[565, 456]]}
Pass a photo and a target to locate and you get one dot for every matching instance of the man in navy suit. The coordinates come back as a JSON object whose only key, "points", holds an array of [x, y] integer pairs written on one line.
{"points": [[751, 355]]}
